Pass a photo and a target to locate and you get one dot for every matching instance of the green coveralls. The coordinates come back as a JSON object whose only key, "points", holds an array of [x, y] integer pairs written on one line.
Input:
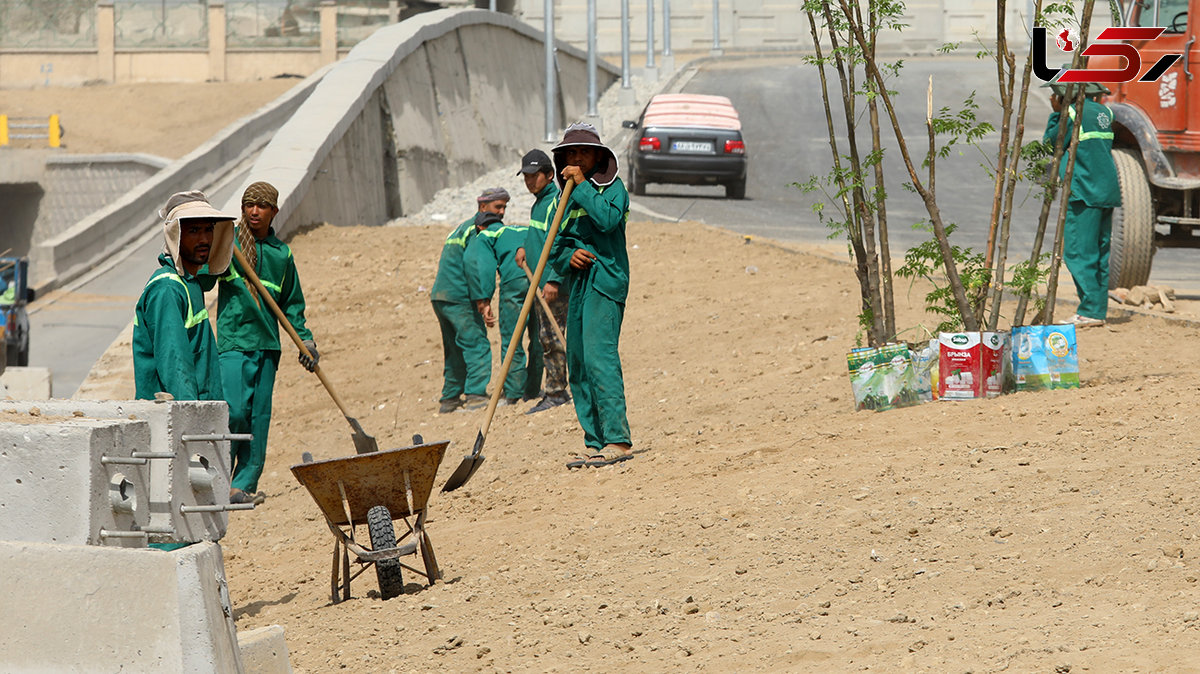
{"points": [[466, 351], [173, 345], [248, 341], [496, 248], [1094, 192], [554, 355], [595, 221]]}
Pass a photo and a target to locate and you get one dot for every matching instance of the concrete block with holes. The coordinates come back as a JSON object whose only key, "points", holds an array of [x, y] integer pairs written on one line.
{"points": [[187, 460], [62, 480]]}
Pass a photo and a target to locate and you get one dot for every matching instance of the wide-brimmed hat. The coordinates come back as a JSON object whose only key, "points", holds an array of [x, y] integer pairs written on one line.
{"points": [[583, 134], [194, 205]]}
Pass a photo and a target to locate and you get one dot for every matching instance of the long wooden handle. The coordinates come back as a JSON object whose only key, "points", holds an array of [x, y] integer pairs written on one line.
{"points": [[546, 309], [533, 286], [287, 325]]}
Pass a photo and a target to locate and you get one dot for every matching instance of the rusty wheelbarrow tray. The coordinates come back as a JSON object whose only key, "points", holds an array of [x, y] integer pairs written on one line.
{"points": [[375, 489]]}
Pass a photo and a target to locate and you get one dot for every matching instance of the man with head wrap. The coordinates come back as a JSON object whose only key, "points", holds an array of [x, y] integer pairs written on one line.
{"points": [[466, 352], [248, 335], [174, 350], [494, 250]]}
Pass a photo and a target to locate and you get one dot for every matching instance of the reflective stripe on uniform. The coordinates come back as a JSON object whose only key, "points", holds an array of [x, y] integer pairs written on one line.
{"points": [[493, 233], [1091, 135], [192, 319]]}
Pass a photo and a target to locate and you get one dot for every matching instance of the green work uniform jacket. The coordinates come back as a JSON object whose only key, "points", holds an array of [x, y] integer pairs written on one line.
{"points": [[173, 345], [243, 324], [595, 221], [451, 282], [539, 225], [1094, 181], [496, 247]]}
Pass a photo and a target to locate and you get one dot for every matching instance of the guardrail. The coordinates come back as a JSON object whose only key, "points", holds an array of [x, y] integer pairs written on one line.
{"points": [[51, 129]]}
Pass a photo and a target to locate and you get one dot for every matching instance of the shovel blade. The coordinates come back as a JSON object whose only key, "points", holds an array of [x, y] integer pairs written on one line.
{"points": [[467, 468], [363, 443]]}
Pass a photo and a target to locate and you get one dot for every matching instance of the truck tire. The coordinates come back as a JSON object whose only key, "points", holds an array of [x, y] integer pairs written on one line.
{"points": [[1131, 249], [12, 355], [636, 185], [383, 537]]}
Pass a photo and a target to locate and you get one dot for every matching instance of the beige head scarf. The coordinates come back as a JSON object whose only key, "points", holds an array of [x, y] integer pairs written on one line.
{"points": [[193, 205]]}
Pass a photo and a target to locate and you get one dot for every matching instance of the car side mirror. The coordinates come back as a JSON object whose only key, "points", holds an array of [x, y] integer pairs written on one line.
{"points": [[629, 124], [29, 294]]}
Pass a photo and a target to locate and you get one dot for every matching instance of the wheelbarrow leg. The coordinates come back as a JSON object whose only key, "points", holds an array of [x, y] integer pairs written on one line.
{"points": [[346, 572], [333, 582], [432, 572]]}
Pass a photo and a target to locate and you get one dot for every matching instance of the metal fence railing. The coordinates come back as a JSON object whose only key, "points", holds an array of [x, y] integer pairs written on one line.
{"points": [[272, 23], [161, 23], [54, 24]]}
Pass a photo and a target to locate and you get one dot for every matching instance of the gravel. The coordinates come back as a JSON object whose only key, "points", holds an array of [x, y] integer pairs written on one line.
{"points": [[453, 205]]}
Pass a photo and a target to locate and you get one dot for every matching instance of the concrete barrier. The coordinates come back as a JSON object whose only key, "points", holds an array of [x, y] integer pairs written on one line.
{"points": [[88, 609], [435, 100], [264, 651], [26, 383]]}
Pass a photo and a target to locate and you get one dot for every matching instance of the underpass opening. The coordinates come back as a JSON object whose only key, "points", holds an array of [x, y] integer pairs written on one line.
{"points": [[20, 203]]}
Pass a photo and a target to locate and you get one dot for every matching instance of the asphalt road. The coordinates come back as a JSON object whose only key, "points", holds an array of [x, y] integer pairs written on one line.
{"points": [[784, 124]]}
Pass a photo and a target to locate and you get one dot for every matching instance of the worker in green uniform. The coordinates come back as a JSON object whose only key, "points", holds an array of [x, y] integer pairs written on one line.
{"points": [[538, 172], [174, 350], [1093, 193], [494, 250], [589, 254], [466, 352], [248, 335]]}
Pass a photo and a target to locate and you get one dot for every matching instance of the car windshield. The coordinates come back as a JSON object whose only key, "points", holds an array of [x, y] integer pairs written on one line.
{"points": [[1172, 14]]}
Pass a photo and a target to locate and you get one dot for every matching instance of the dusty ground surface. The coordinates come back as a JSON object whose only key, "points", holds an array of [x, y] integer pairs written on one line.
{"points": [[764, 525]]}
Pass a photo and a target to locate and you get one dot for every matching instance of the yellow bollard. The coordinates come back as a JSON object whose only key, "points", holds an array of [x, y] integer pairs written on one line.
{"points": [[3, 130], [54, 132]]}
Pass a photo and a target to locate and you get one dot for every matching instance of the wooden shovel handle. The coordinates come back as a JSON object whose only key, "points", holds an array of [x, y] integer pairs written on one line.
{"points": [[533, 287], [287, 325], [546, 309]]}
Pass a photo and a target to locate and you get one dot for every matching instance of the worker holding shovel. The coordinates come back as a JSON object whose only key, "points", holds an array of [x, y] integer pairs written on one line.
{"points": [[248, 335], [589, 254]]}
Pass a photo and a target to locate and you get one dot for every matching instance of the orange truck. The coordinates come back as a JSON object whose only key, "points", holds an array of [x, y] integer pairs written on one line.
{"points": [[1156, 145]]}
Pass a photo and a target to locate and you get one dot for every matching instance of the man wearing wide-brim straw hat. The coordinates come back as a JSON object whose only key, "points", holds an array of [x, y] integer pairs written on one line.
{"points": [[1091, 197], [589, 254], [248, 335], [174, 350]]}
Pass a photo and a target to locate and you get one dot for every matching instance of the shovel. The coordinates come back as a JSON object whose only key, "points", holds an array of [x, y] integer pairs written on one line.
{"points": [[546, 309], [363, 443], [472, 461]]}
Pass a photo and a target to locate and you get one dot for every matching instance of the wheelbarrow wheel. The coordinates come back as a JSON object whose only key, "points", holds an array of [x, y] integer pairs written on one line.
{"points": [[383, 537]]}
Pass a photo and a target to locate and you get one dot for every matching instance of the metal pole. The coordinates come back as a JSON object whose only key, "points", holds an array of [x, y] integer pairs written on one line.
{"points": [[492, 5], [666, 27], [625, 95], [716, 46], [551, 94], [591, 58], [650, 35]]}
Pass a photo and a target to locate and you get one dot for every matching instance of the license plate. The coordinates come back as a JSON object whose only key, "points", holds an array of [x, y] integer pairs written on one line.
{"points": [[691, 146]]}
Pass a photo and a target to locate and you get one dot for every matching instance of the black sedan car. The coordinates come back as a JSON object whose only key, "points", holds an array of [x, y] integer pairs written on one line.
{"points": [[688, 139]]}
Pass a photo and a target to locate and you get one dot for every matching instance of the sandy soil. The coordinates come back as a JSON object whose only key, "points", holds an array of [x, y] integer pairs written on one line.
{"points": [[763, 525]]}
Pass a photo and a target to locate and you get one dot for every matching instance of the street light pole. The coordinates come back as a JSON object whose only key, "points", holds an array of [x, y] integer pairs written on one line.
{"points": [[551, 93], [593, 116], [716, 46], [625, 95], [668, 59], [651, 69]]}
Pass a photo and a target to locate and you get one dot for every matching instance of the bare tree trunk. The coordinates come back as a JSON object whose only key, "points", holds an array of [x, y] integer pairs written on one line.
{"points": [[885, 248], [927, 194], [1002, 62]]}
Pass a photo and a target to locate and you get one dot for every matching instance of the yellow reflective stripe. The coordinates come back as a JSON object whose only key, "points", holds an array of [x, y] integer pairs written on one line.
{"points": [[538, 224], [459, 240], [1091, 135], [493, 233], [193, 319]]}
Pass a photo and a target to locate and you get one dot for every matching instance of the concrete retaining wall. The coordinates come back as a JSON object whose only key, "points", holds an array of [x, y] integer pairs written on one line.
{"points": [[77, 248], [433, 101], [86, 609]]}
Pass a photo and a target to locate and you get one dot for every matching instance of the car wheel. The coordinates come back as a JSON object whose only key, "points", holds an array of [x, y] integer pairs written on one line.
{"points": [[23, 357], [12, 355], [635, 182], [736, 190]]}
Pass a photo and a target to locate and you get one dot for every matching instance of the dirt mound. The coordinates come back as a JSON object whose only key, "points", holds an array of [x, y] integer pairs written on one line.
{"points": [[763, 525]]}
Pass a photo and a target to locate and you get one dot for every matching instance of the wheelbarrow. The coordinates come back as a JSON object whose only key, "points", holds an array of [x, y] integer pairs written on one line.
{"points": [[375, 490]]}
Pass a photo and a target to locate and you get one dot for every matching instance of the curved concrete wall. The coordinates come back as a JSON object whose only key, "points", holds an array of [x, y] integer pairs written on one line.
{"points": [[438, 99]]}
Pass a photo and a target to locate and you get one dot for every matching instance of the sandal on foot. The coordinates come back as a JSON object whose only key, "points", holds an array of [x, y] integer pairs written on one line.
{"points": [[608, 456], [580, 461]]}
